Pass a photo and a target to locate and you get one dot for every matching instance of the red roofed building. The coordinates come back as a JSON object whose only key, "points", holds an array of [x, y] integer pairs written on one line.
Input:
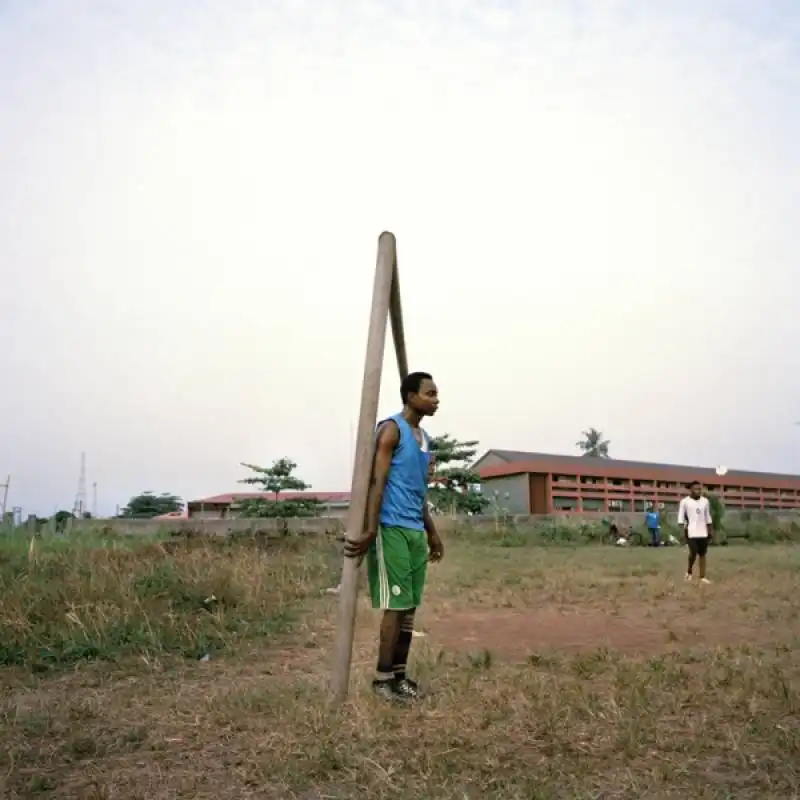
{"points": [[540, 483], [223, 506]]}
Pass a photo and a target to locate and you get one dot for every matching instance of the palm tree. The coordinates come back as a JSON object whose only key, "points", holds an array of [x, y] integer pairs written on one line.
{"points": [[593, 444]]}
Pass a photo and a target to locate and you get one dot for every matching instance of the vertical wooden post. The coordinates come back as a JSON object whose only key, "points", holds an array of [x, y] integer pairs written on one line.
{"points": [[385, 304]]}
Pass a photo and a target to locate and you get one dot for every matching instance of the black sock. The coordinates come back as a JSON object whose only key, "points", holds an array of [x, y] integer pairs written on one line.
{"points": [[403, 645], [384, 673], [401, 654]]}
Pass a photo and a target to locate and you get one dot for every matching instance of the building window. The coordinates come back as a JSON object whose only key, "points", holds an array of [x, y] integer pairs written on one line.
{"points": [[591, 504], [563, 503]]}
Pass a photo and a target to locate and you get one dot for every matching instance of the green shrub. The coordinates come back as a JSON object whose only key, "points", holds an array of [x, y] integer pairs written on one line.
{"points": [[717, 508]]}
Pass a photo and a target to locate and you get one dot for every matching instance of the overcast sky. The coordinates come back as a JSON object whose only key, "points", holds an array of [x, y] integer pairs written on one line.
{"points": [[596, 206]]}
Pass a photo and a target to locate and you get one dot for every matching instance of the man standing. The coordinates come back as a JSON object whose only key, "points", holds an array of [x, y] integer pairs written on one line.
{"points": [[694, 516], [400, 535], [653, 522]]}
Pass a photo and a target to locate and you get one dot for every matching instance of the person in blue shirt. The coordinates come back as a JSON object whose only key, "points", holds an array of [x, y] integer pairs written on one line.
{"points": [[400, 536], [652, 519]]}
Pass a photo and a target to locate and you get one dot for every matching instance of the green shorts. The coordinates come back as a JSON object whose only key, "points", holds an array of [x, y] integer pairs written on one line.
{"points": [[396, 565]]}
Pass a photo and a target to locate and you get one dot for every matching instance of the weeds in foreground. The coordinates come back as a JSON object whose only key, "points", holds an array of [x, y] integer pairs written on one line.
{"points": [[63, 604]]}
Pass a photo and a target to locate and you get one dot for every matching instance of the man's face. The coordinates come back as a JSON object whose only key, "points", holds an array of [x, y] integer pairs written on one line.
{"points": [[426, 401], [696, 491]]}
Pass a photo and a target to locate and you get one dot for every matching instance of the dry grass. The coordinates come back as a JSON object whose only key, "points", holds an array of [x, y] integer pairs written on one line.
{"points": [[554, 673]]}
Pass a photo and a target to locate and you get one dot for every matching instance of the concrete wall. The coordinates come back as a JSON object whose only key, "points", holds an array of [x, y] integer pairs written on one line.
{"points": [[213, 527], [334, 527], [517, 488]]}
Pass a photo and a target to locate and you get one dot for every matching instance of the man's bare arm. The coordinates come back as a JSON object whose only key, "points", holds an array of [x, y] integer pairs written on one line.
{"points": [[388, 437], [435, 546], [427, 520]]}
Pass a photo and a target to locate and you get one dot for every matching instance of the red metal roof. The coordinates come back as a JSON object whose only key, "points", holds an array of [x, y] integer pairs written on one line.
{"points": [[234, 497], [612, 468]]}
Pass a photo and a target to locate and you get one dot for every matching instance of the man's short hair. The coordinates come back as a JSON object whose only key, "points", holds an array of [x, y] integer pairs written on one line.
{"points": [[694, 483], [411, 384]]}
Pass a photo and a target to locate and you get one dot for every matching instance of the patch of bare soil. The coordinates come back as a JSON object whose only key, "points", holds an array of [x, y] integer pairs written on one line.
{"points": [[514, 635]]}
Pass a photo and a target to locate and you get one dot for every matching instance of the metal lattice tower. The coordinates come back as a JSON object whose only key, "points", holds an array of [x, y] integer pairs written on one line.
{"points": [[4, 487], [80, 498]]}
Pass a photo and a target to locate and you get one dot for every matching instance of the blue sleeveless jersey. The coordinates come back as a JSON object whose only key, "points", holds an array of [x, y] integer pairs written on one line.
{"points": [[406, 488]]}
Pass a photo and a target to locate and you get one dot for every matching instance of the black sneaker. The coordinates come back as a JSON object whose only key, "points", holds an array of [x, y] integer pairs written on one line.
{"points": [[407, 688], [388, 690]]}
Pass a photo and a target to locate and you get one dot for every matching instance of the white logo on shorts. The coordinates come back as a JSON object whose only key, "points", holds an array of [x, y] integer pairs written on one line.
{"points": [[396, 590]]}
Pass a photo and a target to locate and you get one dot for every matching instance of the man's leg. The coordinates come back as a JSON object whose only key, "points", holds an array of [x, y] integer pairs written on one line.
{"points": [[403, 646], [702, 549], [692, 557], [387, 645], [389, 572], [418, 554]]}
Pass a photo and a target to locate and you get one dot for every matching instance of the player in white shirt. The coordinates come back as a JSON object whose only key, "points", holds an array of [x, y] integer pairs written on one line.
{"points": [[694, 516]]}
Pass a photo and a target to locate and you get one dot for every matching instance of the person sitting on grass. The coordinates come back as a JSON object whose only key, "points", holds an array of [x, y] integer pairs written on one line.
{"points": [[400, 535], [620, 536]]}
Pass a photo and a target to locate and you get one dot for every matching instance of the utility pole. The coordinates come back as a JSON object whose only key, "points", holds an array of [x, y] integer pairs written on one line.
{"points": [[4, 487], [94, 499], [80, 497]]}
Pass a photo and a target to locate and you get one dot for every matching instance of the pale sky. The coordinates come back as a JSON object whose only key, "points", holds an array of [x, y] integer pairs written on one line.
{"points": [[596, 206]]}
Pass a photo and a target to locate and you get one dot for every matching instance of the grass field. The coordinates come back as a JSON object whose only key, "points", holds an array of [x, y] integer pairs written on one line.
{"points": [[554, 672]]}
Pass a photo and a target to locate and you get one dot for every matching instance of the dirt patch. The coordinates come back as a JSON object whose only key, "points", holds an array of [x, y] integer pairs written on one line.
{"points": [[515, 635]]}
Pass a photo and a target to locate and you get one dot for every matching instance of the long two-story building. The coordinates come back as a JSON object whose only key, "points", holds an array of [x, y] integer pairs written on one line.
{"points": [[520, 482], [225, 506]]}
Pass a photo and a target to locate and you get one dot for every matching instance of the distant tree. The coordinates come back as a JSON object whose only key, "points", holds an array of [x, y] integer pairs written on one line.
{"points": [[276, 479], [61, 519], [593, 444], [717, 508], [148, 505], [454, 483]]}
